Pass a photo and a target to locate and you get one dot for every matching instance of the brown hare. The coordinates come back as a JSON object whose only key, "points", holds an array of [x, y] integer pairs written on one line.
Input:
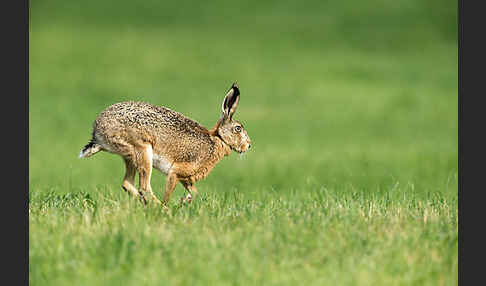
{"points": [[148, 136]]}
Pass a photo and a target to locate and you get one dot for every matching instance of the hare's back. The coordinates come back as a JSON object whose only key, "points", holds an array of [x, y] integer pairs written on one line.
{"points": [[145, 116]]}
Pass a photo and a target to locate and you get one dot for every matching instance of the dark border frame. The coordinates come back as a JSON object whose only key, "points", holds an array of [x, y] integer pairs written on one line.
{"points": [[15, 145]]}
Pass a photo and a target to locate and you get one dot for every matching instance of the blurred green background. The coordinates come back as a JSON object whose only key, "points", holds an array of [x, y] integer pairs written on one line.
{"points": [[352, 111], [333, 92]]}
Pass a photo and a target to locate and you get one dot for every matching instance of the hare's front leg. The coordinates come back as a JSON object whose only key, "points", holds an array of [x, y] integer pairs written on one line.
{"points": [[170, 186], [191, 192], [128, 183], [144, 168]]}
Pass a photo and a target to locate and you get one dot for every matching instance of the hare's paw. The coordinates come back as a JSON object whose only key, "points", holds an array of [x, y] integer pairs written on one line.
{"points": [[165, 207], [187, 199]]}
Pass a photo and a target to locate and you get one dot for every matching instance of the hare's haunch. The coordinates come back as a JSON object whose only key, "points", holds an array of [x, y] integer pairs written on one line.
{"points": [[148, 136]]}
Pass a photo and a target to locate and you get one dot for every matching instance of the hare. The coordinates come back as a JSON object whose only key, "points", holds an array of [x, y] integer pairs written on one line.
{"points": [[148, 136]]}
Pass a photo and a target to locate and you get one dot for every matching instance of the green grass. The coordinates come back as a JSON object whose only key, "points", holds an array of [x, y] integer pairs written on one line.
{"points": [[352, 112], [325, 237]]}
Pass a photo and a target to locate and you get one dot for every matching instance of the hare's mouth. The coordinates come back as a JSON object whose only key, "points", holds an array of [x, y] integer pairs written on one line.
{"points": [[242, 149]]}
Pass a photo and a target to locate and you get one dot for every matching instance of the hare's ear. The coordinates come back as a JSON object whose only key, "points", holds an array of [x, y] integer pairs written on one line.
{"points": [[230, 102]]}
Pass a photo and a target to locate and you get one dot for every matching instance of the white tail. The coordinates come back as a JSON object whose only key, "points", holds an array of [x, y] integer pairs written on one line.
{"points": [[89, 150]]}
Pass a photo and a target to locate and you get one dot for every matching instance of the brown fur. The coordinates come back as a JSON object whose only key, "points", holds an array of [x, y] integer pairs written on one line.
{"points": [[145, 134]]}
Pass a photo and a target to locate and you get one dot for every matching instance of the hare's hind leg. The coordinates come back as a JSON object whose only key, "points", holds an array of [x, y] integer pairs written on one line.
{"points": [[191, 192], [129, 180], [144, 168]]}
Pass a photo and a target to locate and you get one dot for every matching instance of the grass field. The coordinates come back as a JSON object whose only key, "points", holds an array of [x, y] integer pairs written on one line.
{"points": [[352, 112]]}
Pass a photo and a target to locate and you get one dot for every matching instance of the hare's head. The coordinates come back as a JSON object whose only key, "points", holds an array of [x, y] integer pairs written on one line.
{"points": [[230, 130]]}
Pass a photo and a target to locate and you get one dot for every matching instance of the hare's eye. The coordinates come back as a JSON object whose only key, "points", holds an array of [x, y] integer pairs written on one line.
{"points": [[238, 128]]}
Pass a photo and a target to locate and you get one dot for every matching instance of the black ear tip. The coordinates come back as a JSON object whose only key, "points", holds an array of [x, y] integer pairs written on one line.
{"points": [[235, 88]]}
